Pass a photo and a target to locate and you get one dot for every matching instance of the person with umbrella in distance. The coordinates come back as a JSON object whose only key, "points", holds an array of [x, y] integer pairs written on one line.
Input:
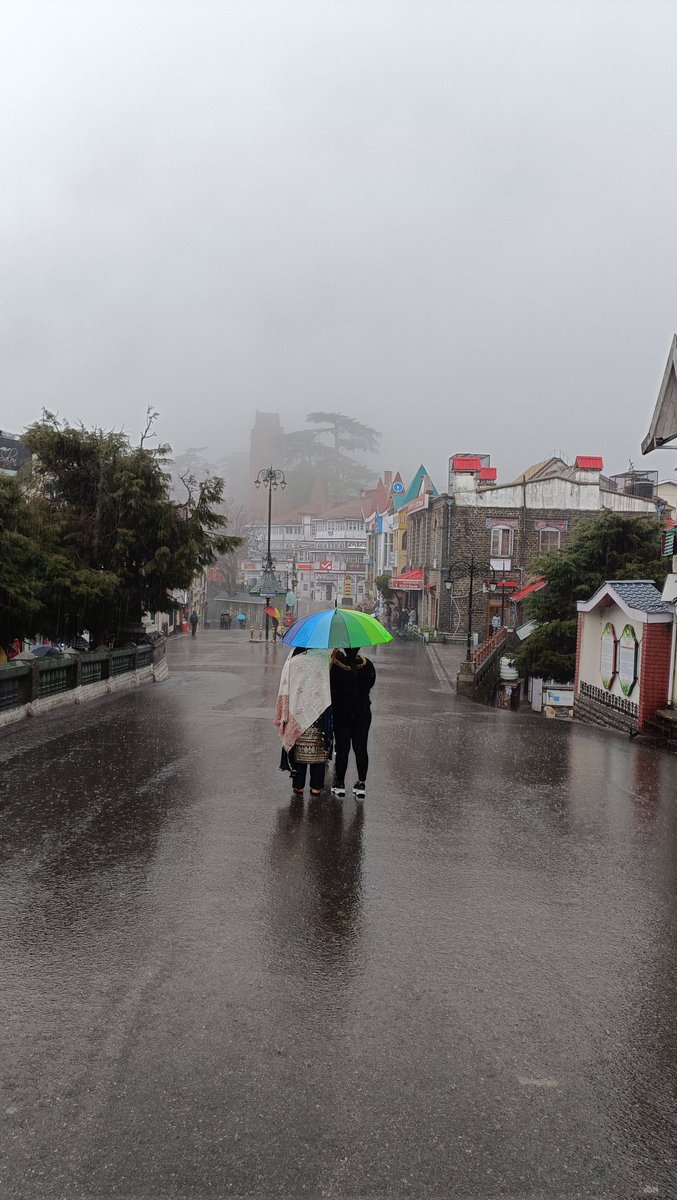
{"points": [[352, 677], [303, 718]]}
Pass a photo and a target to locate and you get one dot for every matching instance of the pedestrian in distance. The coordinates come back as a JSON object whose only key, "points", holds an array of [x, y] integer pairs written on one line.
{"points": [[303, 718], [193, 623], [352, 677]]}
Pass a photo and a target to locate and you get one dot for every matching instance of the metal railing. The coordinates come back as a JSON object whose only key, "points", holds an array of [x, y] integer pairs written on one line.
{"points": [[482, 653], [23, 683]]}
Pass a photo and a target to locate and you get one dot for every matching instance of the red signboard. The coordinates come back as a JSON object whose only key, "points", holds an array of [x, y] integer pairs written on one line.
{"points": [[304, 566], [326, 565]]}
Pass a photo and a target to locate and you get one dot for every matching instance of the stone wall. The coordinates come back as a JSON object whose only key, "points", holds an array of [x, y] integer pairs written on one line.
{"points": [[587, 709]]}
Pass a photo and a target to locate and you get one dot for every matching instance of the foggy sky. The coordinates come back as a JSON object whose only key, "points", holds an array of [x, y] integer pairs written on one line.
{"points": [[456, 222]]}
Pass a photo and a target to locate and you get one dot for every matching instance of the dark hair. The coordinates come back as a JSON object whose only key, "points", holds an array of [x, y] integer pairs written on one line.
{"points": [[351, 653]]}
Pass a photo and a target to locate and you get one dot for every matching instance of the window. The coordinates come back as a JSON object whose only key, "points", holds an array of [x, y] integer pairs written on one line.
{"points": [[293, 529], [550, 539], [501, 542]]}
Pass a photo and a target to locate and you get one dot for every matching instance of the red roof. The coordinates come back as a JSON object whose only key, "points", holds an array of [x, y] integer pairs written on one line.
{"points": [[586, 462], [466, 464], [531, 587], [488, 473]]}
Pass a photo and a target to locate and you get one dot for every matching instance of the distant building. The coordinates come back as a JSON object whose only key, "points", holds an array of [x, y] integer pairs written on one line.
{"points": [[13, 453], [504, 528], [318, 549], [266, 449]]}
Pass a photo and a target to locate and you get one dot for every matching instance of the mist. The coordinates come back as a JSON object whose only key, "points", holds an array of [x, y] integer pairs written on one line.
{"points": [[455, 222]]}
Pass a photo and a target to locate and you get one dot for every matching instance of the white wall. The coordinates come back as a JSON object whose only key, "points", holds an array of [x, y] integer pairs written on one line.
{"points": [[574, 495], [591, 646]]}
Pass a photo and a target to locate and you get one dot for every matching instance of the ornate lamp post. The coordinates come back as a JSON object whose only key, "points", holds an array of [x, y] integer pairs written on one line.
{"points": [[468, 568], [271, 478]]}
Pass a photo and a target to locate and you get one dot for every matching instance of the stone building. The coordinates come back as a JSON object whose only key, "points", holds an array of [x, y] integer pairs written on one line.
{"points": [[266, 449], [503, 528]]}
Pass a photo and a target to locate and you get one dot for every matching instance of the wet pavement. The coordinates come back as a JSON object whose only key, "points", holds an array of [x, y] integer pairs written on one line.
{"points": [[468, 989]]}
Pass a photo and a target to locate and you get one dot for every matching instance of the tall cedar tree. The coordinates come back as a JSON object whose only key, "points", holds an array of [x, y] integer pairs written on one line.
{"points": [[108, 521], [613, 545], [307, 455]]}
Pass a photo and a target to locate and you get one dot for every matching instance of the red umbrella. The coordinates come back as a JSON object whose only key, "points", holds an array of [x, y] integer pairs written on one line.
{"points": [[271, 612]]}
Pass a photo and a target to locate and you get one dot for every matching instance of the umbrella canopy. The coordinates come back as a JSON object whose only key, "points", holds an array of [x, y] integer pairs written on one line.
{"points": [[240, 617], [271, 612], [337, 627], [46, 651], [25, 654]]}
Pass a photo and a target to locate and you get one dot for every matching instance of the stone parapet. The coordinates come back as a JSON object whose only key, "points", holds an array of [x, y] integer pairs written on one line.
{"points": [[594, 713]]}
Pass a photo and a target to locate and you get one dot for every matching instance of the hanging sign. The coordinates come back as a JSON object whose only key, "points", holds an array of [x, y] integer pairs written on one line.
{"points": [[607, 662], [627, 660]]}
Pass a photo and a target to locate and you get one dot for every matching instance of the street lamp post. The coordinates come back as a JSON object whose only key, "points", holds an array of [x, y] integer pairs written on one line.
{"points": [[467, 568], [271, 478]]}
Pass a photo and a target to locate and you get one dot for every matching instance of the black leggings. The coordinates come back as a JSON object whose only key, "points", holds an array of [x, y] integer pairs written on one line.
{"points": [[353, 732], [299, 771]]}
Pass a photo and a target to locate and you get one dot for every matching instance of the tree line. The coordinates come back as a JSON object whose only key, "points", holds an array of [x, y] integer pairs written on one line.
{"points": [[92, 537]]}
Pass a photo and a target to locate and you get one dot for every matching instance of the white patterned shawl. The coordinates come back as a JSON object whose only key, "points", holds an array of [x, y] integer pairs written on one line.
{"points": [[303, 695]]}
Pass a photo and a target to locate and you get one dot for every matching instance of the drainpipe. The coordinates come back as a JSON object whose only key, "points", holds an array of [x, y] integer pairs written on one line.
{"points": [[672, 659]]}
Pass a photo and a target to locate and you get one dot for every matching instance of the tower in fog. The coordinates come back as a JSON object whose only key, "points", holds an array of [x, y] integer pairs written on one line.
{"points": [[266, 449]]}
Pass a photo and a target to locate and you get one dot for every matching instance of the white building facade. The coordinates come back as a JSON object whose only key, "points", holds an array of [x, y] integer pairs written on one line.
{"points": [[320, 558]]}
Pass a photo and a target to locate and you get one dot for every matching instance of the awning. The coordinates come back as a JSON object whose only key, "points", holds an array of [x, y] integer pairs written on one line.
{"points": [[531, 587], [409, 581]]}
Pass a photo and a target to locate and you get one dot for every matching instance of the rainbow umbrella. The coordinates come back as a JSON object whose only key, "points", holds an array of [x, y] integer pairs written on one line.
{"points": [[337, 627]]}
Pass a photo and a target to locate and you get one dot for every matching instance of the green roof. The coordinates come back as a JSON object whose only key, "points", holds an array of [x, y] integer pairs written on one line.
{"points": [[414, 489]]}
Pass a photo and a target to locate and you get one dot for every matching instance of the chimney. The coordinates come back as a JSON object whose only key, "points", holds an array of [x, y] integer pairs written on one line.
{"points": [[387, 478]]}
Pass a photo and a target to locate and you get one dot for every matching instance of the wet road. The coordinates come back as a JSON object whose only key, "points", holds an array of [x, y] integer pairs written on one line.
{"points": [[470, 990]]}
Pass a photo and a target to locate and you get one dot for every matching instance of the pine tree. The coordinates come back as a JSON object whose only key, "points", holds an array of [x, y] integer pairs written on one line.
{"points": [[613, 545]]}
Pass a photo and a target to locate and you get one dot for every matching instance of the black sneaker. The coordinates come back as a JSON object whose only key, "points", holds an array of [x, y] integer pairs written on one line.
{"points": [[359, 791], [338, 790]]}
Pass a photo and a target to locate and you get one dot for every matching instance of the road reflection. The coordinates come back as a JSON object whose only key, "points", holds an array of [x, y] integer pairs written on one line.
{"points": [[316, 889]]}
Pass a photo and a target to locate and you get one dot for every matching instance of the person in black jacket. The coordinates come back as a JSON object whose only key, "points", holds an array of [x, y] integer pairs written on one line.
{"points": [[352, 677]]}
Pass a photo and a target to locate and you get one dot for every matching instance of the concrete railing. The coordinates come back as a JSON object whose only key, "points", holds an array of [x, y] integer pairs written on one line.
{"points": [[32, 686]]}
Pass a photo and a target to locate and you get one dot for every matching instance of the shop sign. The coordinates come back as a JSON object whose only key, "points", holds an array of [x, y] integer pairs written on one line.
{"points": [[419, 503], [304, 566], [326, 565], [627, 660], [607, 662]]}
